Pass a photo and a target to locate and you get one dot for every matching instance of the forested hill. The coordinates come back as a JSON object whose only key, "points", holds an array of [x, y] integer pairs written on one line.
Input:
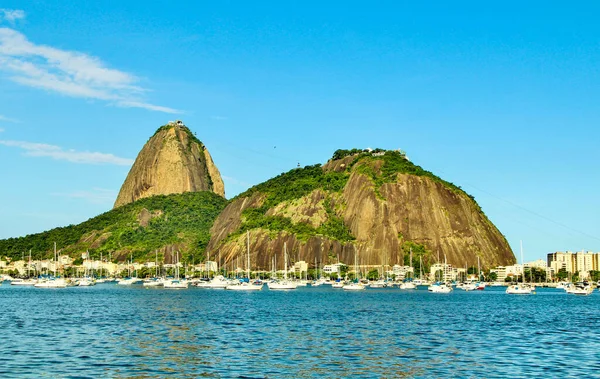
{"points": [[159, 223]]}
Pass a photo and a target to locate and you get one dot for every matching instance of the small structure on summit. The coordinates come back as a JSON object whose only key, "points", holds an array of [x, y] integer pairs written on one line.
{"points": [[176, 123]]}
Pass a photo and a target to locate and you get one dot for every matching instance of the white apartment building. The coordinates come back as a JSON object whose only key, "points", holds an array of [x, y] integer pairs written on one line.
{"points": [[402, 272], [334, 268], [300, 266], [207, 266], [449, 273]]}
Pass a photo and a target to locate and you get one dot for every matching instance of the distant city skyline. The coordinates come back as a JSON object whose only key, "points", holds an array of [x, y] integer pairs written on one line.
{"points": [[499, 100]]}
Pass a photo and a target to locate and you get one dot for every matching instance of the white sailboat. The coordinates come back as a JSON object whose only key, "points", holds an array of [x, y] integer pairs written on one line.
{"points": [[409, 284], [87, 280], [53, 282], [246, 286], [581, 288], [128, 281], [176, 283], [523, 288], [25, 282], [440, 287], [356, 285], [480, 283], [155, 281], [284, 284]]}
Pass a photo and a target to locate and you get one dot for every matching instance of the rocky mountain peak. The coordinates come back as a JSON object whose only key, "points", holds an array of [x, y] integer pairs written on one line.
{"points": [[172, 161]]}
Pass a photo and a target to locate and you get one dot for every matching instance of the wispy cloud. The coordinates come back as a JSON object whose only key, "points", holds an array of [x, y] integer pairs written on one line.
{"points": [[95, 195], [70, 73], [33, 149], [11, 15], [1, 130], [8, 119], [218, 118]]}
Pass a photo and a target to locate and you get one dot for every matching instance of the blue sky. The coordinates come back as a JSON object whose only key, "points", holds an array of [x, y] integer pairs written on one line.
{"points": [[501, 100]]}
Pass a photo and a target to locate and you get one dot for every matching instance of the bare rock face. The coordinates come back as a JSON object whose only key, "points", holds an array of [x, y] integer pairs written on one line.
{"points": [[172, 161], [381, 218]]}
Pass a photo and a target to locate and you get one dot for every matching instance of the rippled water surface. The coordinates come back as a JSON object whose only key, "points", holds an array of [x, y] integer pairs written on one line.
{"points": [[120, 332]]}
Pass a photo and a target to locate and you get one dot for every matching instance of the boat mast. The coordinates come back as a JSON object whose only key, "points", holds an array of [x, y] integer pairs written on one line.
{"points": [[356, 264], [284, 261], [55, 260], [411, 266], [522, 263], [445, 264], [248, 248]]}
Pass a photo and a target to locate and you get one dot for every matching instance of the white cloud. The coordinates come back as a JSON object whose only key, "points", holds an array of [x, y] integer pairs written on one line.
{"points": [[95, 195], [70, 73], [218, 118], [11, 15], [7, 119], [33, 149]]}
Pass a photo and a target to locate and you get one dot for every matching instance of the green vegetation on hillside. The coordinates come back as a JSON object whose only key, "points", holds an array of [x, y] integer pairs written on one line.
{"points": [[297, 183], [293, 185], [300, 182], [191, 136], [178, 219]]}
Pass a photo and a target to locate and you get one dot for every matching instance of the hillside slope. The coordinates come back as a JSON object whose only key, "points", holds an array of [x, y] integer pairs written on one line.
{"points": [[159, 223], [377, 204]]}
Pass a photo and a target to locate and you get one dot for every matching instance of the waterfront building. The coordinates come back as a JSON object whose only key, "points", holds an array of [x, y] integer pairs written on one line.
{"points": [[300, 266], [401, 272], [333, 269], [582, 262], [540, 263], [448, 273], [206, 266]]}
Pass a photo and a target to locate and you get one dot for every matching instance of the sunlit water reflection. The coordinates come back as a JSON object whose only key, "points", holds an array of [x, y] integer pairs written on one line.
{"points": [[110, 331]]}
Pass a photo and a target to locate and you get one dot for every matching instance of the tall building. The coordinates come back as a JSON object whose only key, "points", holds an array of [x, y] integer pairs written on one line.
{"points": [[582, 262]]}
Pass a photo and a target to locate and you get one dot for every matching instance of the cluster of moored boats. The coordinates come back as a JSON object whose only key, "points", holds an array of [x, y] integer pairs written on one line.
{"points": [[244, 284]]}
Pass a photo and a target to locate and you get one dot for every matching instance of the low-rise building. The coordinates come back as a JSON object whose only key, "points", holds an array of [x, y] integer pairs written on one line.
{"points": [[300, 266], [445, 272], [334, 268], [401, 272]]}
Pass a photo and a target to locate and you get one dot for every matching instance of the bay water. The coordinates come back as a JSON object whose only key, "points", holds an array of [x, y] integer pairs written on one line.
{"points": [[135, 332]]}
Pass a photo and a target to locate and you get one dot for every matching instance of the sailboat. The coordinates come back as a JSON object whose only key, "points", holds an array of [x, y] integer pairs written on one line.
{"points": [[440, 287], [155, 281], [409, 284], [25, 282], [356, 285], [128, 280], [87, 280], [101, 278], [217, 281], [582, 288], [480, 283], [381, 282], [246, 285], [53, 282], [284, 284], [520, 289], [176, 283]]}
